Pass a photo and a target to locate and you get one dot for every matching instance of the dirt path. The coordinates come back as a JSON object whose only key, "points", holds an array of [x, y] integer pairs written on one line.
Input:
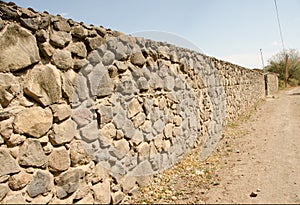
{"points": [[267, 159], [260, 153]]}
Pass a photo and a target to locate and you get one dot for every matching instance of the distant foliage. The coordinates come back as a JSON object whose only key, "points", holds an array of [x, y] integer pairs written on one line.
{"points": [[277, 65]]}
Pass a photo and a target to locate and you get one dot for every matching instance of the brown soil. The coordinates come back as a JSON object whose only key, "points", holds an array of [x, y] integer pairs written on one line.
{"points": [[257, 161]]}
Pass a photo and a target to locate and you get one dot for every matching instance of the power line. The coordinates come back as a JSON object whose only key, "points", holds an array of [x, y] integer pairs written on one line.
{"points": [[280, 30]]}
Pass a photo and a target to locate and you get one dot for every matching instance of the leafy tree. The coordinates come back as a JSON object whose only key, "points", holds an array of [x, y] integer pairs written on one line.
{"points": [[277, 65]]}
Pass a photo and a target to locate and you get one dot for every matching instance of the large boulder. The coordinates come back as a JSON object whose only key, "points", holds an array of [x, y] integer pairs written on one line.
{"points": [[43, 84], [18, 48]]}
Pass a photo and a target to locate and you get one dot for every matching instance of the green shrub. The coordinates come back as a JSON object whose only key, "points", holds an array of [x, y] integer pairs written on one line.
{"points": [[293, 82]]}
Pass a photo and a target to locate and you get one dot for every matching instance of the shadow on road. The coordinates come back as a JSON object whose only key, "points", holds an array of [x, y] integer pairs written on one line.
{"points": [[295, 94]]}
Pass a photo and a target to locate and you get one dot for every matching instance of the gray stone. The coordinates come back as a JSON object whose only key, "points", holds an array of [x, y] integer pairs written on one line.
{"points": [[94, 58], [159, 126], [82, 116], [169, 83], [68, 182], [128, 129], [100, 83], [102, 192], [19, 181], [143, 84], [78, 154], [78, 49], [42, 182], [79, 32], [81, 88], [43, 84], [126, 87], [93, 43], [40, 121], [138, 59], [61, 112], [119, 120], [108, 58], [59, 160], [8, 164], [62, 59], [63, 132], [90, 132], [3, 191], [32, 154], [142, 169], [14, 39], [60, 39]]}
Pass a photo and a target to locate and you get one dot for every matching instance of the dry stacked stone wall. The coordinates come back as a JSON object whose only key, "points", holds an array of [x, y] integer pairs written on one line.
{"points": [[89, 114]]}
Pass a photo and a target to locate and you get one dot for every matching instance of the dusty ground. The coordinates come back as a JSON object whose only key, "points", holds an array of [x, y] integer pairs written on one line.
{"points": [[259, 153]]}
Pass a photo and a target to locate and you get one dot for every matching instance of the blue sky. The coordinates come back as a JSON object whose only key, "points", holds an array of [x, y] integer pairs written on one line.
{"points": [[232, 30]]}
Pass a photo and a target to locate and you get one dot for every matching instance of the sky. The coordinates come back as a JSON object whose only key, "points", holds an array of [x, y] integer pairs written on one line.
{"points": [[231, 30]]}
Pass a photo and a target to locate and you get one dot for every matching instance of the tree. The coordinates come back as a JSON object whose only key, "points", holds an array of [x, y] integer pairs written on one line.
{"points": [[277, 64]]}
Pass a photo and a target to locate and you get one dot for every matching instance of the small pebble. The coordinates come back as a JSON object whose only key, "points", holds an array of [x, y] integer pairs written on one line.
{"points": [[253, 194], [258, 190]]}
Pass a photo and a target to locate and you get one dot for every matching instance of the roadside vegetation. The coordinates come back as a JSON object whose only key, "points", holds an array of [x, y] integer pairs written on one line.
{"points": [[278, 62]]}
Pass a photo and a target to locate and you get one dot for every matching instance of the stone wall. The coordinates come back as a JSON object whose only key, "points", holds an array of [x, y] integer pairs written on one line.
{"points": [[271, 80], [89, 114]]}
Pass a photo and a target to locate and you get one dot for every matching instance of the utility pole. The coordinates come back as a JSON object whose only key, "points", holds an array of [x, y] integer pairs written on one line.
{"points": [[286, 69], [262, 60]]}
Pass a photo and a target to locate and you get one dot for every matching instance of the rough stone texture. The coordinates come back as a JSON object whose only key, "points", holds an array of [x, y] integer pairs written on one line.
{"points": [[3, 191], [68, 182], [10, 87], [78, 154], [19, 181], [43, 84], [63, 132], [102, 192], [32, 154], [138, 107], [8, 164], [62, 59], [59, 160], [15, 39], [61, 112], [40, 121], [42, 182], [78, 49]]}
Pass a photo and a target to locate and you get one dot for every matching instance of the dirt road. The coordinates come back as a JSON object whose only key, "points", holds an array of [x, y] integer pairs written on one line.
{"points": [[266, 160], [259, 153]]}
